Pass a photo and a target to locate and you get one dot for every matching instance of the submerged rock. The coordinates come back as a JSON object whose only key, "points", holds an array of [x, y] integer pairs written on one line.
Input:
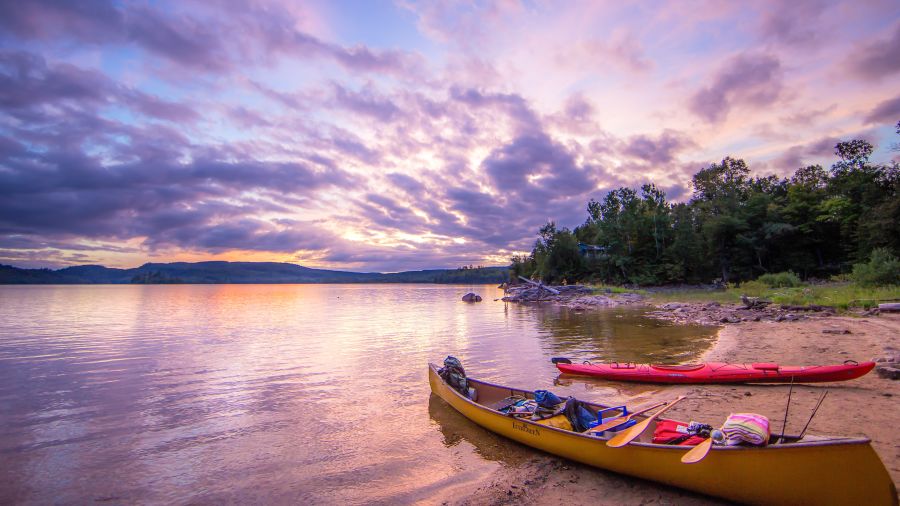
{"points": [[471, 297]]}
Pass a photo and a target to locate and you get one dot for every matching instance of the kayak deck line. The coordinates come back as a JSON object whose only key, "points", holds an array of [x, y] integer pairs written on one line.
{"points": [[717, 372], [812, 470]]}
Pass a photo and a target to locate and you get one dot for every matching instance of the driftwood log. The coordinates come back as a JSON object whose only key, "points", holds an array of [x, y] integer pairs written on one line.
{"points": [[891, 306], [754, 302], [539, 285]]}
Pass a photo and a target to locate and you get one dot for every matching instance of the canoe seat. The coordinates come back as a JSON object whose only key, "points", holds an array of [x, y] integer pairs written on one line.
{"points": [[765, 366]]}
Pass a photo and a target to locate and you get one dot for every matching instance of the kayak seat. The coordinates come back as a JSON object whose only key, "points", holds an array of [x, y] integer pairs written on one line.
{"points": [[765, 366], [686, 367]]}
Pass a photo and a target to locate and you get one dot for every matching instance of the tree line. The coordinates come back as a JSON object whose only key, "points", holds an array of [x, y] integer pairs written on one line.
{"points": [[735, 227]]}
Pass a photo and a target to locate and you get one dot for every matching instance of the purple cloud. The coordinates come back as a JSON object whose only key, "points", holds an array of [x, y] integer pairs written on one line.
{"points": [[27, 81], [658, 151], [367, 103], [744, 80], [800, 155], [193, 40], [514, 106], [879, 58], [887, 111], [793, 21], [535, 167]]}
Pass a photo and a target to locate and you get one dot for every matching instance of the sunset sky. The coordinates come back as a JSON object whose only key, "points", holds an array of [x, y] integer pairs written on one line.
{"points": [[385, 136]]}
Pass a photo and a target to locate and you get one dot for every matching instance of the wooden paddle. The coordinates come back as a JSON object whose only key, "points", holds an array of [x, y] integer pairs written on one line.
{"points": [[698, 452], [630, 434], [615, 422]]}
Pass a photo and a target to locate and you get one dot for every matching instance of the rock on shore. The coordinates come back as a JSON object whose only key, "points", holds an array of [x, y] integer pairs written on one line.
{"points": [[714, 313], [578, 297]]}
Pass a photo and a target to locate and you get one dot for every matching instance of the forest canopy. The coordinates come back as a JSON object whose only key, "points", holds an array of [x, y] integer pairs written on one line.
{"points": [[735, 227]]}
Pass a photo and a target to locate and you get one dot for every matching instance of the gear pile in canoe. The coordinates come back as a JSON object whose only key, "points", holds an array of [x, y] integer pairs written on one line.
{"points": [[739, 461], [716, 372]]}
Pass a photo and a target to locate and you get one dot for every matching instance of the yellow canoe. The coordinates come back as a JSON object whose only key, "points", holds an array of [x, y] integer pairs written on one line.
{"points": [[813, 470]]}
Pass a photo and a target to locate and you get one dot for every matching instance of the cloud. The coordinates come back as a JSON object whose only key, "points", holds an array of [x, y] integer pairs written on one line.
{"points": [[246, 234], [514, 106], [367, 103], [205, 39], [218, 127], [793, 21], [887, 111], [799, 156], [536, 167], [62, 192], [744, 80], [878, 59], [658, 151], [27, 81]]}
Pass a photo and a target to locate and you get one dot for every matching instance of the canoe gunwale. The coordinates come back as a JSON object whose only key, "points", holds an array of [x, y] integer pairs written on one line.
{"points": [[832, 441]]}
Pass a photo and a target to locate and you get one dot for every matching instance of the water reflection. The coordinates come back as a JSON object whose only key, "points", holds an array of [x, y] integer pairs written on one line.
{"points": [[456, 428], [273, 393], [620, 334]]}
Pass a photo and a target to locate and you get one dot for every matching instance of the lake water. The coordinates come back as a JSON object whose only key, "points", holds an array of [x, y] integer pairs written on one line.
{"points": [[276, 393]]}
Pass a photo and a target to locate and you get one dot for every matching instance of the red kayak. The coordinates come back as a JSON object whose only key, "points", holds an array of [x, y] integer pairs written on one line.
{"points": [[717, 372]]}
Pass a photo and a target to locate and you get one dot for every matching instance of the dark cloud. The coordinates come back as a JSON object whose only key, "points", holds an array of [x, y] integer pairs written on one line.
{"points": [[184, 40], [147, 182], [887, 111], [535, 167], [410, 185], [578, 108], [366, 103], [189, 42], [391, 214], [744, 80], [95, 21], [512, 105], [27, 81], [802, 155], [657, 151], [879, 58], [254, 34], [246, 234], [793, 21]]}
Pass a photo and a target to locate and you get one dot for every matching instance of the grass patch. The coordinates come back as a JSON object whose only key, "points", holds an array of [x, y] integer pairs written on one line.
{"points": [[694, 295], [839, 295], [606, 289]]}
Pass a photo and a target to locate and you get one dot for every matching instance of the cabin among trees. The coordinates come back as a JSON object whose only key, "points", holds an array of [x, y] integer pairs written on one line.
{"points": [[817, 223]]}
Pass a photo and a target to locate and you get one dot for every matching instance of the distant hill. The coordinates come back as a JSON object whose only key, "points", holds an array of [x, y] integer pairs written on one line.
{"points": [[239, 272]]}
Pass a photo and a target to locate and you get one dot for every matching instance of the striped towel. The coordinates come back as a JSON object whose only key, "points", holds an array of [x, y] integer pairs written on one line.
{"points": [[746, 428]]}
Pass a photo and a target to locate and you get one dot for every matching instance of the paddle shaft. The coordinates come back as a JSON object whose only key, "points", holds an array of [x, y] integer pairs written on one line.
{"points": [[629, 435], [612, 424]]}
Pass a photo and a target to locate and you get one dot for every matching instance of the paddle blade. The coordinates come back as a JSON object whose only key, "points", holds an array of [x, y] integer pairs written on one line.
{"points": [[629, 435], [697, 453], [612, 424], [560, 360]]}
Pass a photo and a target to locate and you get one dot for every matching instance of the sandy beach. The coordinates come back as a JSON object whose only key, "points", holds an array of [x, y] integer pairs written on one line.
{"points": [[864, 407]]}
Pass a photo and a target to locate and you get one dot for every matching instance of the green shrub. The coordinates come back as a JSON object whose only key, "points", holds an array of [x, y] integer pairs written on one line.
{"points": [[882, 269], [780, 280]]}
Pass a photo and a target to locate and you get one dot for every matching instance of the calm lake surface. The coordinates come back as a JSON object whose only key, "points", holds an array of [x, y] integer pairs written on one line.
{"points": [[276, 393]]}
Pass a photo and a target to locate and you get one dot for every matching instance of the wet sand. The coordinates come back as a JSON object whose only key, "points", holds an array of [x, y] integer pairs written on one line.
{"points": [[867, 406]]}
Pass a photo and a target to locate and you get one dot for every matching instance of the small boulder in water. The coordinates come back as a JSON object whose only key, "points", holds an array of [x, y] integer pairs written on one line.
{"points": [[471, 297]]}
